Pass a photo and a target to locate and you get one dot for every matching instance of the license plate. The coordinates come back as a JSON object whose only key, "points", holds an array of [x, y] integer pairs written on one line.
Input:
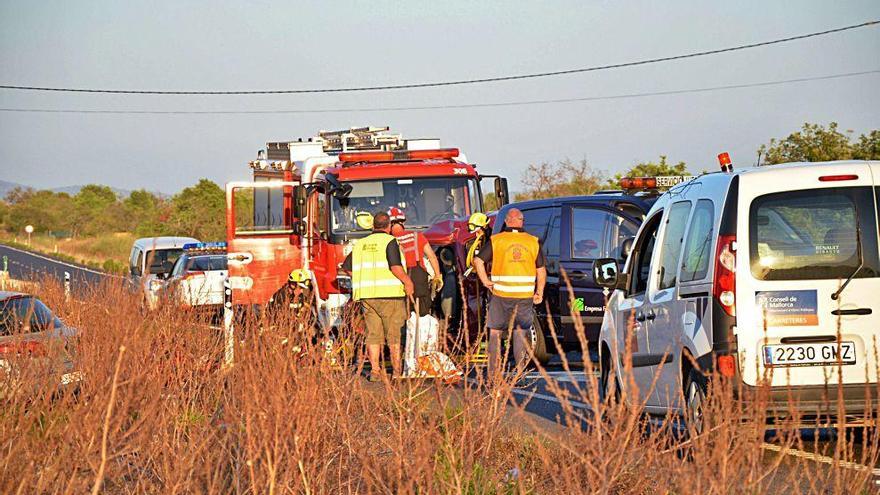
{"points": [[809, 354]]}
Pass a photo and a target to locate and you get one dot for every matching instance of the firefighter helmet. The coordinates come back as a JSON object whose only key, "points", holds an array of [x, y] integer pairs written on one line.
{"points": [[364, 220], [477, 220], [299, 276], [395, 214]]}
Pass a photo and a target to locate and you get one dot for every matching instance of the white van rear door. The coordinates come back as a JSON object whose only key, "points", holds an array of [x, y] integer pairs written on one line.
{"points": [[802, 232]]}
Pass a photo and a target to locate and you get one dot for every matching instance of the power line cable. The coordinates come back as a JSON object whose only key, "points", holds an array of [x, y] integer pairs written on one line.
{"points": [[447, 107], [451, 83]]}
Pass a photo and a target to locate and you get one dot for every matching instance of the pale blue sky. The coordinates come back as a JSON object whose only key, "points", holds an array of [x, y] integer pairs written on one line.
{"points": [[264, 45]]}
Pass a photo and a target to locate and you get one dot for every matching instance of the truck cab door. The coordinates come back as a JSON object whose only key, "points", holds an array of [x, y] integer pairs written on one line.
{"points": [[589, 232], [262, 244]]}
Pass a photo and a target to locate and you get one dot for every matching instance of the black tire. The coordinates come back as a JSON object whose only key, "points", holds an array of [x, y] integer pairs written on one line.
{"points": [[694, 402], [607, 378], [540, 343]]}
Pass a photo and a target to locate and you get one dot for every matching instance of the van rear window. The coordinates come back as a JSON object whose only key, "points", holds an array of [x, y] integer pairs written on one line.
{"points": [[811, 234]]}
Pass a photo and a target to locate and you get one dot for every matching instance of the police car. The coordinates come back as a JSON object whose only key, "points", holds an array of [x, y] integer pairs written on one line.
{"points": [[768, 275], [197, 277], [573, 232]]}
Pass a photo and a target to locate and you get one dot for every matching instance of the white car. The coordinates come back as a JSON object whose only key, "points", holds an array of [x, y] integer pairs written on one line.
{"points": [[751, 273], [150, 262], [197, 277]]}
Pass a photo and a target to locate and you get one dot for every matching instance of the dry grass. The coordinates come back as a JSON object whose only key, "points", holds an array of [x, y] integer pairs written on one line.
{"points": [[156, 414]]}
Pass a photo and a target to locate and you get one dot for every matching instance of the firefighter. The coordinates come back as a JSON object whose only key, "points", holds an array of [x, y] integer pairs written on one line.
{"points": [[295, 296], [516, 283], [415, 249], [380, 283], [478, 224]]}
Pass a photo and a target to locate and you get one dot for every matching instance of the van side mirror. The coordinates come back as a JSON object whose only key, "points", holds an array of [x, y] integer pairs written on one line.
{"points": [[501, 192], [606, 273]]}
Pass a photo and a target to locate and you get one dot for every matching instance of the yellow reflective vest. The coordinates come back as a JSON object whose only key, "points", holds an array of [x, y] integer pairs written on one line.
{"points": [[513, 264], [371, 276]]}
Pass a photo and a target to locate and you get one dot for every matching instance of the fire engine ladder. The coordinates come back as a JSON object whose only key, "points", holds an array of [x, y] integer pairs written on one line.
{"points": [[361, 139]]}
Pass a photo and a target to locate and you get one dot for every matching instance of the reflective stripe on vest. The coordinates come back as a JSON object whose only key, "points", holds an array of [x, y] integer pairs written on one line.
{"points": [[370, 275], [409, 244], [513, 264]]}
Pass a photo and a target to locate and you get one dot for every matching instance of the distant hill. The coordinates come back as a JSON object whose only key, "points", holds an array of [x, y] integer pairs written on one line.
{"points": [[72, 190], [6, 186]]}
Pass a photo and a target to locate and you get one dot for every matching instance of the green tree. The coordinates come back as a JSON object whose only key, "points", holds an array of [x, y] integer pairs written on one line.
{"points": [[813, 143], [198, 211], [45, 210], [96, 210], [649, 169], [868, 146], [142, 212], [565, 178]]}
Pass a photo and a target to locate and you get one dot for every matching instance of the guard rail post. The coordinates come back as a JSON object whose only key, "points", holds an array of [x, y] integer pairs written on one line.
{"points": [[67, 286], [228, 326]]}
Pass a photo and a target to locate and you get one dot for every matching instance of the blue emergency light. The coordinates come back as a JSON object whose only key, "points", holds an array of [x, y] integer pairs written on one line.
{"points": [[191, 246]]}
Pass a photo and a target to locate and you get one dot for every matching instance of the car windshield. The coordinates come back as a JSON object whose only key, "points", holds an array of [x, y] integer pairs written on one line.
{"points": [[206, 263], [424, 200], [162, 260], [811, 234], [16, 311]]}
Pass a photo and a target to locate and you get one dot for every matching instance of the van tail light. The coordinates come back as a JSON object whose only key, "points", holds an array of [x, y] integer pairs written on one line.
{"points": [[29, 347], [724, 286]]}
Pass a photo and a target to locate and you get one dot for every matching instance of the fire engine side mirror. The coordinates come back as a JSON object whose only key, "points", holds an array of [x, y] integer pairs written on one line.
{"points": [[501, 191], [299, 202]]}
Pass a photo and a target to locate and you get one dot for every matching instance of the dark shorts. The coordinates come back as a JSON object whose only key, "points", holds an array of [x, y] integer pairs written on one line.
{"points": [[504, 311]]}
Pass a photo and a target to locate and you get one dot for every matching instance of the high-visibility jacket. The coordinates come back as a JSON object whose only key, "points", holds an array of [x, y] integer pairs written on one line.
{"points": [[412, 244], [513, 264], [371, 276]]}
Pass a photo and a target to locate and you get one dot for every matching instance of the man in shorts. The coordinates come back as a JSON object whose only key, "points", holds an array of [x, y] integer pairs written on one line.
{"points": [[379, 281], [517, 283]]}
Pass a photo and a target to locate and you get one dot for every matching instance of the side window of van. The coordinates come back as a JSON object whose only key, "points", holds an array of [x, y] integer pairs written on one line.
{"points": [[697, 247], [137, 262], [644, 251], [597, 233], [673, 238], [535, 221]]}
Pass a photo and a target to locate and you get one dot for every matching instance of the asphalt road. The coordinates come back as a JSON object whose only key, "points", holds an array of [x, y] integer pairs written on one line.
{"points": [[25, 265]]}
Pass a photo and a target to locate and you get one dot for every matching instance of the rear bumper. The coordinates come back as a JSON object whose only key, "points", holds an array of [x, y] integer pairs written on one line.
{"points": [[858, 400]]}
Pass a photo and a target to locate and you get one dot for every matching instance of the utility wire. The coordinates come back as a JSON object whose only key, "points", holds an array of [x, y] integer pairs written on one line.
{"points": [[447, 107], [451, 83]]}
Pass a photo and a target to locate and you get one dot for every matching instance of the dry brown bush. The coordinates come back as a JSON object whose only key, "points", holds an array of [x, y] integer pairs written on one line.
{"points": [[282, 422]]}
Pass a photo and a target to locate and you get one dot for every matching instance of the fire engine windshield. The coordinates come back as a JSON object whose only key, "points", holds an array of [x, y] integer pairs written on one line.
{"points": [[424, 200]]}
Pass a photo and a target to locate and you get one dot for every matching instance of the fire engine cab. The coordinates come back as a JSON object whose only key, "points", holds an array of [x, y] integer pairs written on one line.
{"points": [[301, 208]]}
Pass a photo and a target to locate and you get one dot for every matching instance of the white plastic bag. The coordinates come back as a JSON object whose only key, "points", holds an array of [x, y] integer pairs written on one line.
{"points": [[429, 329]]}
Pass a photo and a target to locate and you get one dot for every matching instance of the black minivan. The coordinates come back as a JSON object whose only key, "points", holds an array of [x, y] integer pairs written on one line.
{"points": [[574, 231]]}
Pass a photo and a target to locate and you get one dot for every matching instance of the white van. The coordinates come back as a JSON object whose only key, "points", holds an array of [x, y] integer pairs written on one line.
{"points": [[750, 273], [151, 261]]}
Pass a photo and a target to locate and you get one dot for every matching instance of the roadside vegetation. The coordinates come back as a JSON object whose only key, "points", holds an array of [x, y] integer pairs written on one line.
{"points": [[158, 413]]}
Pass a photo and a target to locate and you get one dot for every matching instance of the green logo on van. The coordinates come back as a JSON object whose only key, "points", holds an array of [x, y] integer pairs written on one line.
{"points": [[577, 304]]}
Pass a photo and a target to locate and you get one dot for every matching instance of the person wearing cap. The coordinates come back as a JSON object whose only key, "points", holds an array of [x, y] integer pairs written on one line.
{"points": [[380, 283], [416, 249], [517, 283]]}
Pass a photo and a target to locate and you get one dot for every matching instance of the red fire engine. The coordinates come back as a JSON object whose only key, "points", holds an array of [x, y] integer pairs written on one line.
{"points": [[301, 208]]}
